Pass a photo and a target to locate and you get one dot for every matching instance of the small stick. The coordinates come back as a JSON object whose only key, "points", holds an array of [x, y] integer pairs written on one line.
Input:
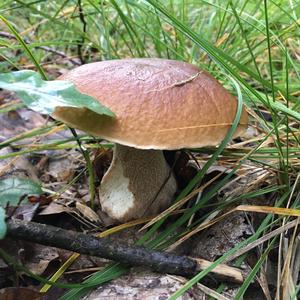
{"points": [[158, 261], [45, 48]]}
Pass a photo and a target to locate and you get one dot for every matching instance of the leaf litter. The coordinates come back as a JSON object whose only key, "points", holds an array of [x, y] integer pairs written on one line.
{"points": [[60, 167], [70, 208]]}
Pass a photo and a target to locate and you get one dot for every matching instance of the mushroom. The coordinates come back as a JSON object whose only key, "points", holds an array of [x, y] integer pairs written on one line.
{"points": [[159, 105]]}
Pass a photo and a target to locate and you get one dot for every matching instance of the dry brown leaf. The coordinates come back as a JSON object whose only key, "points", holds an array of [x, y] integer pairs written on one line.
{"points": [[55, 208], [20, 293], [87, 212]]}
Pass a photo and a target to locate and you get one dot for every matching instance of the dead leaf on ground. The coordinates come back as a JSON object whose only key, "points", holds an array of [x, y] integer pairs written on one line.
{"points": [[18, 121], [87, 212], [19, 293], [17, 166], [62, 168], [38, 257], [26, 212], [55, 208]]}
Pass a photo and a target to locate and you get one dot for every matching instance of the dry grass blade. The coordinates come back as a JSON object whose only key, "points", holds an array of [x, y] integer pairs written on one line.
{"points": [[263, 239], [286, 277], [180, 203], [263, 282], [296, 260], [202, 226], [248, 208], [208, 291], [269, 210], [211, 292], [280, 249]]}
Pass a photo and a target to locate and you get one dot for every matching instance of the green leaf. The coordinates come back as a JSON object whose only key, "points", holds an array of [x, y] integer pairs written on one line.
{"points": [[44, 96], [12, 189], [3, 227]]}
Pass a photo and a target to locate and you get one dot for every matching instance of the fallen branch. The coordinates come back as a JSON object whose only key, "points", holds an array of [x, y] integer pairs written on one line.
{"points": [[161, 262]]}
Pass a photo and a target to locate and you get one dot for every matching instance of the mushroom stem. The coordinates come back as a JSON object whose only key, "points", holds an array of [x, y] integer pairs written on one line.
{"points": [[138, 183]]}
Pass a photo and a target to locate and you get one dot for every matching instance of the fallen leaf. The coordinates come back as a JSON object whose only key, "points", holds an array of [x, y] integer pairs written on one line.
{"points": [[87, 212], [38, 257], [55, 208], [19, 293]]}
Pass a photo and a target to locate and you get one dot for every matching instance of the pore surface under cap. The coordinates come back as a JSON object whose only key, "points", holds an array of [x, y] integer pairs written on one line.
{"points": [[159, 104]]}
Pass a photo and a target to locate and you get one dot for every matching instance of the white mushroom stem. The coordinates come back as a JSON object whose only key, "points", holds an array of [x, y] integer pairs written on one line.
{"points": [[138, 183]]}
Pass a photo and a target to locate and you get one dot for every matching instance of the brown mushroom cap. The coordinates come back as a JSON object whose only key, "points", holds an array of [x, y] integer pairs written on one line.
{"points": [[159, 104]]}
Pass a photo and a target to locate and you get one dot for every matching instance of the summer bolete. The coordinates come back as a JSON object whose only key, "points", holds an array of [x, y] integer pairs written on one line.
{"points": [[159, 105]]}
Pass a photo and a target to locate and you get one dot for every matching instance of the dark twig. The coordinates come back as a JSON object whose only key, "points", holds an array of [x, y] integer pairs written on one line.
{"points": [[45, 48], [84, 24], [103, 247]]}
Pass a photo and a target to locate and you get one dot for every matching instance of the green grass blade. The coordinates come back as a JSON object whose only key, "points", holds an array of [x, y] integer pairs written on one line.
{"points": [[24, 46]]}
